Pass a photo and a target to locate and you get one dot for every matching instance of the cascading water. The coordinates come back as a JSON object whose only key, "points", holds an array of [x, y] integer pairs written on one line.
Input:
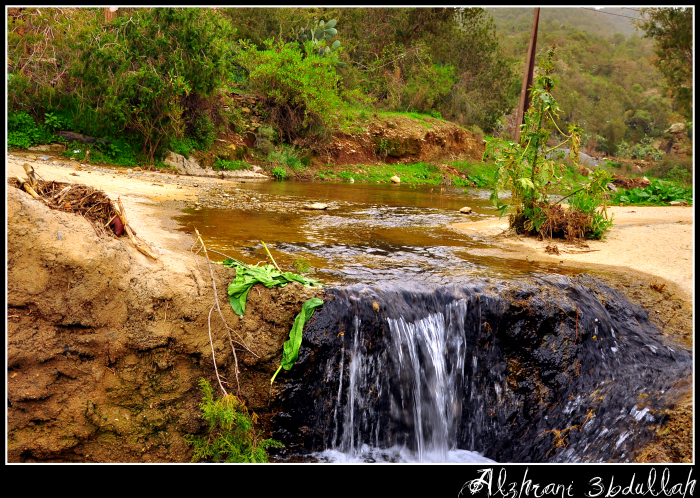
{"points": [[509, 373], [419, 377]]}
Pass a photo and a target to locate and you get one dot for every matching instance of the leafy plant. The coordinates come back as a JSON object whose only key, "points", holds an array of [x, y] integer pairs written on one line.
{"points": [[231, 165], [231, 437], [478, 180], [183, 146], [247, 276], [23, 132], [319, 33], [659, 192], [680, 175], [291, 346], [286, 158], [204, 132], [528, 170], [54, 122], [300, 87], [279, 173], [640, 150]]}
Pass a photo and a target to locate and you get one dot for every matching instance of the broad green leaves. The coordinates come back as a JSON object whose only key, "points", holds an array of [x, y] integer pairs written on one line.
{"points": [[248, 276], [291, 346], [659, 192]]}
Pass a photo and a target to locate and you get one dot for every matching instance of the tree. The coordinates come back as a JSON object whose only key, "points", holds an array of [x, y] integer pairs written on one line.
{"points": [[144, 72], [671, 28]]}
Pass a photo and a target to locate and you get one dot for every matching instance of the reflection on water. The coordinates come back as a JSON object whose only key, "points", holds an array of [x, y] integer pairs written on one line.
{"points": [[368, 233]]}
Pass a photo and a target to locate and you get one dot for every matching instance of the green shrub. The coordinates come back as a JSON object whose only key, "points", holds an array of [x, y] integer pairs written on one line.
{"points": [[204, 132], [479, 180], [681, 176], [641, 150], [23, 132], [138, 71], [183, 146], [286, 158], [118, 152], [279, 173], [300, 87], [231, 165], [232, 437]]}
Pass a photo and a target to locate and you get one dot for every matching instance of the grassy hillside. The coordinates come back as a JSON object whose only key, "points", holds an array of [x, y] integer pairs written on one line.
{"points": [[607, 83]]}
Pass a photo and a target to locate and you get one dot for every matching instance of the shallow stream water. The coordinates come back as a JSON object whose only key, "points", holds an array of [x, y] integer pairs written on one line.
{"points": [[368, 233]]}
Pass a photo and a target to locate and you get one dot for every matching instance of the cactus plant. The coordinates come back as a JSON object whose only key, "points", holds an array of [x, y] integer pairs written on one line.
{"points": [[317, 33]]}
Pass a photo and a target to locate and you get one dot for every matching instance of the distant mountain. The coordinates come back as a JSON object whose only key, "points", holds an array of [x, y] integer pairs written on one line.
{"points": [[512, 20]]}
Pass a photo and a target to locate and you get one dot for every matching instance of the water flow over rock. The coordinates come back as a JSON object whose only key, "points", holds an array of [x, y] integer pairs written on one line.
{"points": [[523, 372]]}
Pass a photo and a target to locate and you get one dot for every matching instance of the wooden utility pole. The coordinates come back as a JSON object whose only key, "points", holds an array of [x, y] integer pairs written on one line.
{"points": [[527, 78], [110, 13]]}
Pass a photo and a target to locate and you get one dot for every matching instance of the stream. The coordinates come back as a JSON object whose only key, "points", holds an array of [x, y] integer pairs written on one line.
{"points": [[424, 352], [369, 232]]}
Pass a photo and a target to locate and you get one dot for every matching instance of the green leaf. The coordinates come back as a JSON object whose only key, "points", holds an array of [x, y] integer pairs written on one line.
{"points": [[291, 347], [247, 276], [331, 24]]}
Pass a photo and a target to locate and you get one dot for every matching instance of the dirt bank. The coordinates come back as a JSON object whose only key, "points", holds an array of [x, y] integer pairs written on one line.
{"points": [[105, 346]]}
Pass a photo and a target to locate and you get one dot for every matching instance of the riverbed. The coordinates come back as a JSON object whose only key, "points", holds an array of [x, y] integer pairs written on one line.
{"points": [[378, 232]]}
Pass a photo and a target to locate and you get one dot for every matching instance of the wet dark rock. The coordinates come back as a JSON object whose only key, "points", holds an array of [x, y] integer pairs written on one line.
{"points": [[547, 370]]}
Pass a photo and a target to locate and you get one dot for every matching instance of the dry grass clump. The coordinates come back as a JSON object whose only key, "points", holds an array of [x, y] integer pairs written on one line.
{"points": [[564, 223], [558, 223]]}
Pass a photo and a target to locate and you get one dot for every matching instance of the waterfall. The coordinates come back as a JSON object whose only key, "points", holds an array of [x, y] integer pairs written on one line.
{"points": [[527, 373], [420, 374]]}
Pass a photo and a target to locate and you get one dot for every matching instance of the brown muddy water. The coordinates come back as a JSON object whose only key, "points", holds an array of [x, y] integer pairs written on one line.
{"points": [[369, 232]]}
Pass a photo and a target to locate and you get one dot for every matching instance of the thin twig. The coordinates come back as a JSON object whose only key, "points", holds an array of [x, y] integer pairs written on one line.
{"points": [[216, 370]]}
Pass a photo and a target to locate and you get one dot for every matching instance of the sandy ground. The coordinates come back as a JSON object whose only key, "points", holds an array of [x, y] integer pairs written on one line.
{"points": [[150, 198], [656, 241]]}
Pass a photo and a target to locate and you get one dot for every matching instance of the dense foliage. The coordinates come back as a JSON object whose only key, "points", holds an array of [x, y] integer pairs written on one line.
{"points": [[607, 82], [671, 28], [149, 74], [153, 79]]}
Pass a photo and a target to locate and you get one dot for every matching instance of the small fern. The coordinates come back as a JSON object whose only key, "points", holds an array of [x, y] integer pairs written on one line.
{"points": [[231, 438]]}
